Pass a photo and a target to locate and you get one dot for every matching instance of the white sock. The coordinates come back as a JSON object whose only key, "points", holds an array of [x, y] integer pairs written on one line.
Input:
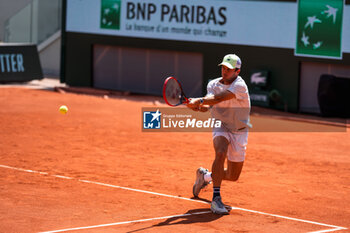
{"points": [[207, 177]]}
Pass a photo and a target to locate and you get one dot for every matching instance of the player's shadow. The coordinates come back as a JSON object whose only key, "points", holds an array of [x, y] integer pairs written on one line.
{"points": [[191, 216], [201, 199]]}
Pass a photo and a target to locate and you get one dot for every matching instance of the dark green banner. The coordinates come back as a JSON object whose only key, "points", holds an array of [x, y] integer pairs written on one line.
{"points": [[110, 14], [320, 28]]}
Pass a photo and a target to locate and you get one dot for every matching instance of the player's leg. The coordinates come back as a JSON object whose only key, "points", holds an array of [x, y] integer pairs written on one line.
{"points": [[233, 170], [203, 176], [218, 173]]}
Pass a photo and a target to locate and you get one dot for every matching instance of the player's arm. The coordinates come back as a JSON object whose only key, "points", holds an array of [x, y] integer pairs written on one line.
{"points": [[215, 99], [210, 100]]}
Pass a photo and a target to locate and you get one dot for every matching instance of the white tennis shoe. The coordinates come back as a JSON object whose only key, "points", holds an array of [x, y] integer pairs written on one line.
{"points": [[200, 183]]}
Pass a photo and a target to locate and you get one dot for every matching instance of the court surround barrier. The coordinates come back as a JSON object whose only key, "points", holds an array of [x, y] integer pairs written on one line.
{"points": [[19, 63]]}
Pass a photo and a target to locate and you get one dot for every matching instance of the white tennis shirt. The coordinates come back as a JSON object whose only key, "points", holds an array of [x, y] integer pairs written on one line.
{"points": [[233, 113]]}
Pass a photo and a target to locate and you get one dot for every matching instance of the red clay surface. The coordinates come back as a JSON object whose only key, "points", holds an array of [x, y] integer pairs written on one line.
{"points": [[302, 175]]}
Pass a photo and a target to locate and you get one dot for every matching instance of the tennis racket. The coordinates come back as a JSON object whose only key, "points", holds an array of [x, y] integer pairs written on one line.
{"points": [[173, 93]]}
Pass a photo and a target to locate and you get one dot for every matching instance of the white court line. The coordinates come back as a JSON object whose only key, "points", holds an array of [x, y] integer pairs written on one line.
{"points": [[329, 230], [63, 177], [127, 222], [142, 191], [334, 228]]}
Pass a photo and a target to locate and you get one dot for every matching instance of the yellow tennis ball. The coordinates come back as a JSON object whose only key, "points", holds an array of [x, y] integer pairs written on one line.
{"points": [[63, 109]]}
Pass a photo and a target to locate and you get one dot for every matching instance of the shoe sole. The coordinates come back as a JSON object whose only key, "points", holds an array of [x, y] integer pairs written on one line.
{"points": [[218, 212]]}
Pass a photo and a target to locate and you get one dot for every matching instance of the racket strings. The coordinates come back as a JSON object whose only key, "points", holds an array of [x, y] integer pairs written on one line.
{"points": [[173, 92]]}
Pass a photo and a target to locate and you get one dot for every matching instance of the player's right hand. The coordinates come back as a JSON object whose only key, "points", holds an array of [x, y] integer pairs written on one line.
{"points": [[193, 104]]}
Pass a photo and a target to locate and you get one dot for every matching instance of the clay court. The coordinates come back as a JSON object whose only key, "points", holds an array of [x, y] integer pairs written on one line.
{"points": [[94, 170]]}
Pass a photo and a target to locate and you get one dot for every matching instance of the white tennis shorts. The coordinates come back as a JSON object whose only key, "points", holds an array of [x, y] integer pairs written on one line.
{"points": [[237, 143]]}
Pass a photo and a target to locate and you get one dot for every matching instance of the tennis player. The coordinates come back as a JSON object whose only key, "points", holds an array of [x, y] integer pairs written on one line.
{"points": [[228, 100]]}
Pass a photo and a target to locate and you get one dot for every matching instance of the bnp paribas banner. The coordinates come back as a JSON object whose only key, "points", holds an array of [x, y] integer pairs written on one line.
{"points": [[319, 30], [193, 20]]}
